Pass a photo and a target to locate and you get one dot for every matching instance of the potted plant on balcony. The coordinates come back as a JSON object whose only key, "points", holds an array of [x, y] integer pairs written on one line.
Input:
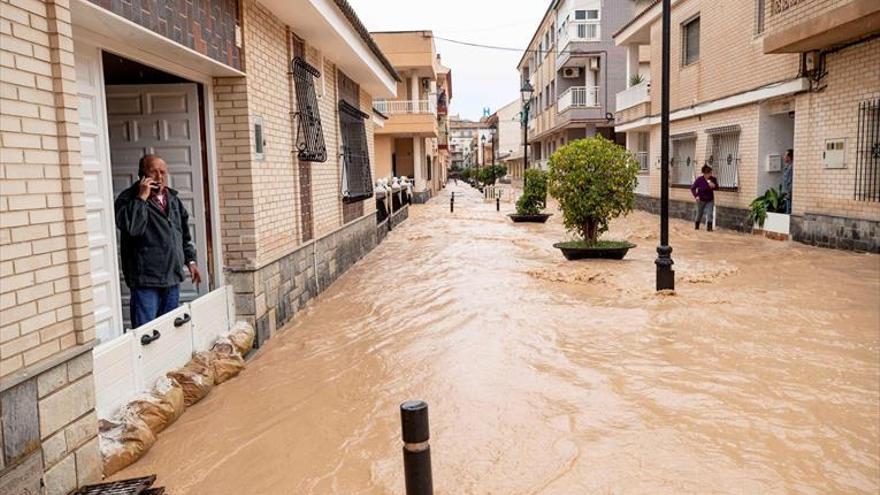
{"points": [[594, 181], [767, 214], [533, 199]]}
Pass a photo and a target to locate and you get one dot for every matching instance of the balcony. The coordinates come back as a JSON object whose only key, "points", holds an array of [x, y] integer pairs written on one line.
{"points": [[412, 117], [633, 103], [578, 37], [401, 107], [634, 95], [578, 97]]}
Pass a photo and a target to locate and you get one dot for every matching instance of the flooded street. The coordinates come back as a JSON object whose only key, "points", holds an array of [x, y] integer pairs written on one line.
{"points": [[761, 375]]}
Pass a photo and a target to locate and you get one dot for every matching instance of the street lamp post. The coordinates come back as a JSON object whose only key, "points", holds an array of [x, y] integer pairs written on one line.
{"points": [[665, 273], [526, 92]]}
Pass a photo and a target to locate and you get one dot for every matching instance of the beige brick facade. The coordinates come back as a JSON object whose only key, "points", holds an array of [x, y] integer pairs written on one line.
{"points": [[731, 60], [48, 427], [833, 113], [46, 289], [732, 65]]}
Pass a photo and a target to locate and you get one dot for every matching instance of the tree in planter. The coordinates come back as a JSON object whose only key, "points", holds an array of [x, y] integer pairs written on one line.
{"points": [[534, 197], [594, 181], [487, 175]]}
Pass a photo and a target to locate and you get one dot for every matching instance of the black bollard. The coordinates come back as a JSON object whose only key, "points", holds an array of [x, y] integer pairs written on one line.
{"points": [[452, 203], [497, 203], [416, 451]]}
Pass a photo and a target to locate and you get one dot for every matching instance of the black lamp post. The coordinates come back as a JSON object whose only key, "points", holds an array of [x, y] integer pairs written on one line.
{"points": [[665, 273], [526, 92]]}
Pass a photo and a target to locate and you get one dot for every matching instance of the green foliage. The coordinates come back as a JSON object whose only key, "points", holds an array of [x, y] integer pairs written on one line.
{"points": [[773, 201], [596, 245], [488, 174], [636, 79], [534, 196], [465, 174], [594, 181]]}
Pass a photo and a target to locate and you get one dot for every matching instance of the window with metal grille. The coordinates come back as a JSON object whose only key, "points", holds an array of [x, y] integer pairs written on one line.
{"points": [[683, 160], [722, 154], [310, 136], [357, 177], [690, 41], [868, 152]]}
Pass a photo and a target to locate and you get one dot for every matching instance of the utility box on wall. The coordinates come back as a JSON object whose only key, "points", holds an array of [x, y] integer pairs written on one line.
{"points": [[834, 155]]}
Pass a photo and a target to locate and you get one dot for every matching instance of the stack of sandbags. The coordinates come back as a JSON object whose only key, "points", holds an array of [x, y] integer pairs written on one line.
{"points": [[196, 378], [228, 362], [242, 337], [127, 437], [161, 406], [123, 440]]}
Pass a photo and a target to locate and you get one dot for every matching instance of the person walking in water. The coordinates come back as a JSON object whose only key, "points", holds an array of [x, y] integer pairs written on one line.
{"points": [[703, 190]]}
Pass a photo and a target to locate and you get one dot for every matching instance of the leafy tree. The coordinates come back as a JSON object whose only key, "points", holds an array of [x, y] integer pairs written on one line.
{"points": [[488, 174], [534, 196], [594, 181]]}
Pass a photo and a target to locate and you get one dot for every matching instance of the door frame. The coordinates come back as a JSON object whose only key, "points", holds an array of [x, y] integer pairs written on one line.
{"points": [[88, 37]]}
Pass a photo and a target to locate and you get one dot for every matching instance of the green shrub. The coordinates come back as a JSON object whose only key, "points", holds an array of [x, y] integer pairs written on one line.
{"points": [[534, 196], [488, 174], [772, 201], [594, 181]]}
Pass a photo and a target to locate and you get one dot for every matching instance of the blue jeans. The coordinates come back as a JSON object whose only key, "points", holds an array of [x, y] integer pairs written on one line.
{"points": [[707, 209], [149, 303]]}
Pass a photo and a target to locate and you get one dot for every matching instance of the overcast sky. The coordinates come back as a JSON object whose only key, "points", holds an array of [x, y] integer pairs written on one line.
{"points": [[480, 77]]}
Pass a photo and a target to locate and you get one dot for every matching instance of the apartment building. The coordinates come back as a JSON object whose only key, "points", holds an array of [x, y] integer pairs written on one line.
{"points": [[465, 137], [409, 143], [263, 112], [508, 138], [576, 70], [749, 81]]}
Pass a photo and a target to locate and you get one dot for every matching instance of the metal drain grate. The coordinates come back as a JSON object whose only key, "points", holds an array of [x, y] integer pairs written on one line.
{"points": [[134, 486]]}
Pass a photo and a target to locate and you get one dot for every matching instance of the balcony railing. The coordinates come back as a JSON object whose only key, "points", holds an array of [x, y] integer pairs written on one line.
{"points": [[402, 107], [578, 97], [634, 95], [579, 31]]}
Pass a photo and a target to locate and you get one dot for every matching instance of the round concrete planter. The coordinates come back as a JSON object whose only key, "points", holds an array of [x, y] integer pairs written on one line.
{"points": [[539, 218], [576, 251]]}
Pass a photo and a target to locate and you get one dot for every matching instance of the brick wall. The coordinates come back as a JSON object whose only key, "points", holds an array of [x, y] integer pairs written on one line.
{"points": [[780, 14], [48, 430], [853, 77], [747, 118], [732, 58], [44, 259], [206, 26]]}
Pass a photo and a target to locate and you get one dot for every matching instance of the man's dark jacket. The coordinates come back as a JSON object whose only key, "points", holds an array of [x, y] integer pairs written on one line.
{"points": [[156, 246]]}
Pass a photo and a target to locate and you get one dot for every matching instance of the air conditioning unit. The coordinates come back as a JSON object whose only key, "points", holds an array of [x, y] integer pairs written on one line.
{"points": [[774, 163], [571, 72], [594, 63]]}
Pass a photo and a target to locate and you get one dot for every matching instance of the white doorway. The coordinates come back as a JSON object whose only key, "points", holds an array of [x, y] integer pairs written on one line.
{"points": [[98, 192], [161, 119]]}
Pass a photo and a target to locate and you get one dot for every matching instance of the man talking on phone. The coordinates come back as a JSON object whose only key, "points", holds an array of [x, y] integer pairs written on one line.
{"points": [[156, 242]]}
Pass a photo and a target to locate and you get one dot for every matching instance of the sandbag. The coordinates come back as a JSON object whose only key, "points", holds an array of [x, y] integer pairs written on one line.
{"points": [[196, 378], [161, 406], [123, 441], [242, 336], [227, 361]]}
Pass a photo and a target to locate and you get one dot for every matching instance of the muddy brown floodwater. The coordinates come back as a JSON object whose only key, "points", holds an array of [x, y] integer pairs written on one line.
{"points": [[761, 375]]}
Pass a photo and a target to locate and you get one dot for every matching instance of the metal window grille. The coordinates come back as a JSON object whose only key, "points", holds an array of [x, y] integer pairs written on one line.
{"points": [[691, 41], [683, 160], [310, 135], [868, 152], [722, 154], [357, 180]]}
